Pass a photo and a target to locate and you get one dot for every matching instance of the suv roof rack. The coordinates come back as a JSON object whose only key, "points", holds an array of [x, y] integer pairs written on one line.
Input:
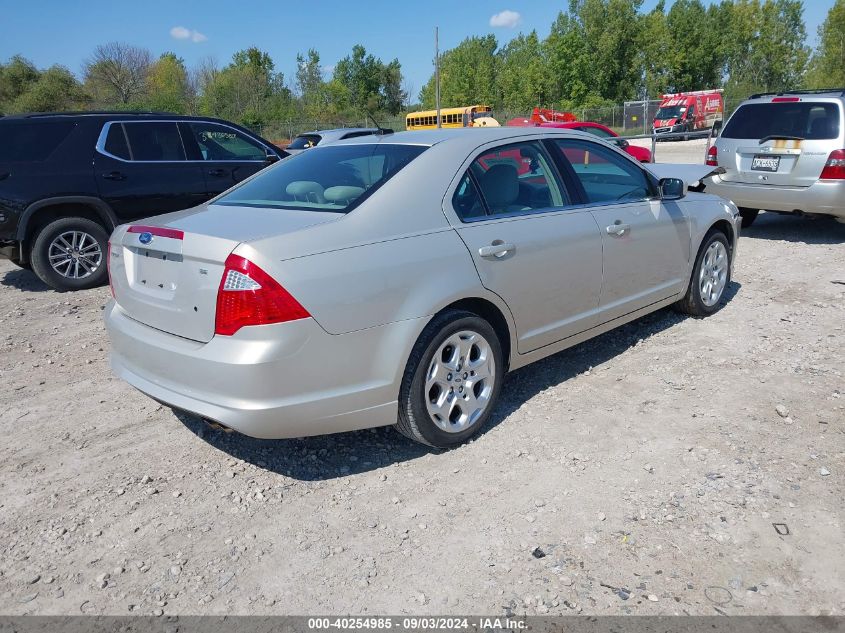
{"points": [[36, 115], [816, 91]]}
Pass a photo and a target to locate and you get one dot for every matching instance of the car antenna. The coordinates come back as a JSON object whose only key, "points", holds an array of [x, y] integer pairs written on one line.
{"points": [[381, 130]]}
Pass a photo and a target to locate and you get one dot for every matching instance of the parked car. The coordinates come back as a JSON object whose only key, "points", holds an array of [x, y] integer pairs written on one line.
{"points": [[307, 140], [783, 152], [67, 179], [688, 111], [396, 279], [642, 154]]}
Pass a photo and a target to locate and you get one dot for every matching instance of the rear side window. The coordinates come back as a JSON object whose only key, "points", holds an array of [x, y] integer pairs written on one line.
{"points": [[803, 120], [153, 141], [515, 178], [32, 142], [116, 144], [304, 141], [333, 178]]}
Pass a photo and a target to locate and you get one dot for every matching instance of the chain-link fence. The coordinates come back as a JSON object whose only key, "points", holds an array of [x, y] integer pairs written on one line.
{"points": [[628, 119]]}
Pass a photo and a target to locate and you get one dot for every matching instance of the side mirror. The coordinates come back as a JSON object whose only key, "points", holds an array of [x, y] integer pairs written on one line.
{"points": [[672, 189], [622, 143], [270, 156]]}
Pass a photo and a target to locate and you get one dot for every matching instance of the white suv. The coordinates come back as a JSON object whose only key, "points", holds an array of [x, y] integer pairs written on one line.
{"points": [[783, 152]]}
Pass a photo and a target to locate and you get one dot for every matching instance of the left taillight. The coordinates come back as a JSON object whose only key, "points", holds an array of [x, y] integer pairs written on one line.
{"points": [[249, 296], [108, 270], [712, 157]]}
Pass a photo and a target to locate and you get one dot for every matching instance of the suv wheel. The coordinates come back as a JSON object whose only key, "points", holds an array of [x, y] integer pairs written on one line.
{"points": [[748, 216], [70, 254]]}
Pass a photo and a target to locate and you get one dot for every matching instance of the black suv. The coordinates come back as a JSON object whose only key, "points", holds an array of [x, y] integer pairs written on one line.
{"points": [[67, 179]]}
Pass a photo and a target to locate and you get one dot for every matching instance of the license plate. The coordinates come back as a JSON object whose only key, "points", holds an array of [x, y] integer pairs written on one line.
{"points": [[762, 162]]}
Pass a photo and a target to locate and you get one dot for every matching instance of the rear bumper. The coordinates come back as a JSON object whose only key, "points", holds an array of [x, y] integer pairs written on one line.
{"points": [[824, 197], [274, 381]]}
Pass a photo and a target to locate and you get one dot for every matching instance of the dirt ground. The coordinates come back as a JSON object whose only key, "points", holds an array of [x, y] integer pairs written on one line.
{"points": [[672, 466]]}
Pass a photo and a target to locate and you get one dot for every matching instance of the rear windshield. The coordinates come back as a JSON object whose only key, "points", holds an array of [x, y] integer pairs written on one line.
{"points": [[329, 178], [304, 141], [804, 120], [31, 142]]}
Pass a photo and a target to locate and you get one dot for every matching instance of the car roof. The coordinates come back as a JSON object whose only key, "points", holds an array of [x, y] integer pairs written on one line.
{"points": [[340, 130], [470, 137], [824, 93], [116, 115]]}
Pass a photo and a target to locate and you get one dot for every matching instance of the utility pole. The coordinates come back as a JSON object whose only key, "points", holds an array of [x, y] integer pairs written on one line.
{"points": [[437, 74]]}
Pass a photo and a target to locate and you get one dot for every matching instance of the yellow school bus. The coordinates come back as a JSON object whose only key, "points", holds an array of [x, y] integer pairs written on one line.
{"points": [[449, 117]]}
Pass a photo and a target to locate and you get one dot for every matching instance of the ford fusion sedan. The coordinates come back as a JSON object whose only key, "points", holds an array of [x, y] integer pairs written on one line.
{"points": [[396, 279]]}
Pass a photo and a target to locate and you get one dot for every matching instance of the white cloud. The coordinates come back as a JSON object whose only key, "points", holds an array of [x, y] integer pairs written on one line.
{"points": [[507, 19], [181, 33]]}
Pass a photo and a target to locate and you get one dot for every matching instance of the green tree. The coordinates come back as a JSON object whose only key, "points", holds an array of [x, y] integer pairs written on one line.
{"points": [[16, 78], [568, 64], [309, 83], [696, 64], [656, 52], [56, 89], [521, 75], [467, 75], [167, 85], [828, 64], [361, 74], [392, 92]]}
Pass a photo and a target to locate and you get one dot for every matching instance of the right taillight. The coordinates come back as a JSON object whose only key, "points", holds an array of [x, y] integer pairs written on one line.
{"points": [[249, 296], [834, 168], [712, 157]]}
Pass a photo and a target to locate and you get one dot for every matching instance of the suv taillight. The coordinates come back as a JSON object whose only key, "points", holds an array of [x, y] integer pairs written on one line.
{"points": [[834, 168], [108, 270], [249, 296], [712, 157]]}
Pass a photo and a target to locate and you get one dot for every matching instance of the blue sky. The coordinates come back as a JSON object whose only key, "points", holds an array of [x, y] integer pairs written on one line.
{"points": [[59, 31]]}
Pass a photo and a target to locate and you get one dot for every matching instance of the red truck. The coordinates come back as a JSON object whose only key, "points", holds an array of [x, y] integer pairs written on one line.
{"points": [[551, 118], [688, 111]]}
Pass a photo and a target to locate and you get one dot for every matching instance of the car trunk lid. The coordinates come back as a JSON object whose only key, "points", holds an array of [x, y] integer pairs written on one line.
{"points": [[166, 272]]}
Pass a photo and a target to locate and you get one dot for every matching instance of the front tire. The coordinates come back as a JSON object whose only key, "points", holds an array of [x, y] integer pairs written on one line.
{"points": [[710, 276], [748, 216], [452, 380], [70, 254]]}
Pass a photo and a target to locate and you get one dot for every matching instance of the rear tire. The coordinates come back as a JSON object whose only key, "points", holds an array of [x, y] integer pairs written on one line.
{"points": [[70, 254], [748, 216], [452, 380], [711, 275]]}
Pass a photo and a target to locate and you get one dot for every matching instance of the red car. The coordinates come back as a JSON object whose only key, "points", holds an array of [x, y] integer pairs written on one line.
{"points": [[642, 154]]}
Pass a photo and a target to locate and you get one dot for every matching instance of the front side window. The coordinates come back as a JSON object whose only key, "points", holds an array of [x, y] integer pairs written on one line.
{"points": [[218, 142], [328, 178], [604, 175], [517, 177], [154, 141]]}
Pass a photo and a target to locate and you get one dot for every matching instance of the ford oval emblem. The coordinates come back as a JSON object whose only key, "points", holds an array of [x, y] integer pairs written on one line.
{"points": [[145, 238]]}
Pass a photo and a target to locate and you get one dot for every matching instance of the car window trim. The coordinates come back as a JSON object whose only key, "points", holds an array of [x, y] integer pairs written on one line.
{"points": [[652, 185], [564, 190], [101, 142]]}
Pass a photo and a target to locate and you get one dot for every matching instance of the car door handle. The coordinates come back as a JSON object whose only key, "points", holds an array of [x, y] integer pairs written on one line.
{"points": [[216, 172], [618, 229], [114, 175], [496, 249]]}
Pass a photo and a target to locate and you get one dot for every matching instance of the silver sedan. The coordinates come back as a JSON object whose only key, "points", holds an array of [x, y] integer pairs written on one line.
{"points": [[394, 280]]}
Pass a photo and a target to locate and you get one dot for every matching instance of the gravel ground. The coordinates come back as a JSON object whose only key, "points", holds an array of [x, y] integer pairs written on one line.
{"points": [[671, 466]]}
